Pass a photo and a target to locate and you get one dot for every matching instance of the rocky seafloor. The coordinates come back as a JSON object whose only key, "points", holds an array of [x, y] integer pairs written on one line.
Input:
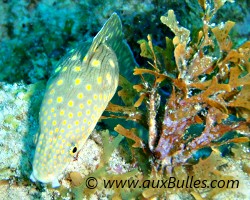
{"points": [[34, 35]]}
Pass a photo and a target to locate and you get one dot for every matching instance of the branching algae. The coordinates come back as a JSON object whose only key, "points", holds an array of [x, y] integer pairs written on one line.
{"points": [[208, 106], [208, 89], [205, 106]]}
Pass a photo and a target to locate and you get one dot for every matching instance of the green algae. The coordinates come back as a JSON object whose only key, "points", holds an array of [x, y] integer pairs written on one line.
{"points": [[101, 171], [57, 47], [11, 120]]}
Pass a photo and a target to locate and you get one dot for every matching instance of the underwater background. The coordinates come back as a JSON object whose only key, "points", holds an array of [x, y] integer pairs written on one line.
{"points": [[184, 110]]}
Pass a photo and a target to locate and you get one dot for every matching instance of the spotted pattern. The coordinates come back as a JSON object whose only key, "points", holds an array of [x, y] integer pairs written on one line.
{"points": [[76, 96]]}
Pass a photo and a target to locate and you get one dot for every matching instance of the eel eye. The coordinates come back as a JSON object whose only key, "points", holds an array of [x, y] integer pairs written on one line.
{"points": [[73, 150]]}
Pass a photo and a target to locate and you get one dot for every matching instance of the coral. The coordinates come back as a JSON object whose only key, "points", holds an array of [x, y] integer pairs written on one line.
{"points": [[18, 124], [14, 126], [37, 33], [190, 109]]}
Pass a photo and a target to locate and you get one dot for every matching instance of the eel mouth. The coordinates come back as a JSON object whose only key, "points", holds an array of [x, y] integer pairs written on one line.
{"points": [[49, 179]]}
